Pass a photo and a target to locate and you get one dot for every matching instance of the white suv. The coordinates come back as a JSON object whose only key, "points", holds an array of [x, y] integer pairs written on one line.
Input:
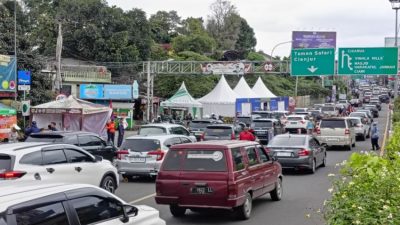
{"points": [[56, 163], [35, 202], [295, 123], [165, 128]]}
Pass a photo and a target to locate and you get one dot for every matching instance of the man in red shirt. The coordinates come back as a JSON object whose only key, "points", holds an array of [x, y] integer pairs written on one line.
{"points": [[246, 135]]}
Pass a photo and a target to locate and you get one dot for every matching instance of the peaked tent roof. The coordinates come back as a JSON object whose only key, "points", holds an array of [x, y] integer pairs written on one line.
{"points": [[222, 93], [181, 98], [243, 90], [261, 90], [74, 103]]}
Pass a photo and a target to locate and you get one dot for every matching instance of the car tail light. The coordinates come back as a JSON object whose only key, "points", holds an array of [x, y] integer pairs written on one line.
{"points": [[202, 136], [346, 131], [10, 175], [158, 153], [122, 153], [318, 130], [302, 122], [303, 152], [267, 150], [233, 137], [232, 190]]}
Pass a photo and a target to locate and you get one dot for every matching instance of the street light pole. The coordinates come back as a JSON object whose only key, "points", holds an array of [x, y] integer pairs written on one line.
{"points": [[396, 7]]}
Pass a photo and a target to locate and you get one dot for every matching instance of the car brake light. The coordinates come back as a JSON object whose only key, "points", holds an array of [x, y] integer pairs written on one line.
{"points": [[303, 152], [121, 153], [302, 122], [158, 153], [267, 150], [318, 130], [233, 137], [10, 175], [346, 131], [232, 191], [202, 136]]}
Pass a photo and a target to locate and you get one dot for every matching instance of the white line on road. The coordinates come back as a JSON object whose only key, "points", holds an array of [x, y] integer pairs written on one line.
{"points": [[143, 198]]}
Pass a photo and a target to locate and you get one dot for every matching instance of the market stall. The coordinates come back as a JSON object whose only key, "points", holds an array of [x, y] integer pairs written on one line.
{"points": [[8, 117], [72, 114]]}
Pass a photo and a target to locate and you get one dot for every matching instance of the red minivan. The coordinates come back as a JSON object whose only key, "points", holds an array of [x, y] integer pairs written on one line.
{"points": [[217, 174]]}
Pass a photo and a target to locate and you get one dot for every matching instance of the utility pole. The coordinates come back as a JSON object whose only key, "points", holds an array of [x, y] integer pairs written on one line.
{"points": [[15, 45], [58, 80]]}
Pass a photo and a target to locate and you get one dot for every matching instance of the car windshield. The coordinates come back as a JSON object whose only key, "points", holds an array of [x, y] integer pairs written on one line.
{"points": [[333, 124], [295, 118], [245, 120], [343, 101], [291, 140], [141, 145], [152, 130], [278, 115], [263, 114], [45, 138], [5, 163], [354, 114], [262, 124], [328, 108], [199, 124], [218, 131]]}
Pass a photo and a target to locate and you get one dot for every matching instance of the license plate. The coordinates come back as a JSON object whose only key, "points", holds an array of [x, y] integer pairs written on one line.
{"points": [[333, 139], [201, 190], [261, 132], [138, 160], [293, 122], [284, 154]]}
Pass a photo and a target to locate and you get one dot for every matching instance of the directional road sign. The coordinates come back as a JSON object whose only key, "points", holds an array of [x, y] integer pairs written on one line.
{"points": [[368, 61], [313, 62]]}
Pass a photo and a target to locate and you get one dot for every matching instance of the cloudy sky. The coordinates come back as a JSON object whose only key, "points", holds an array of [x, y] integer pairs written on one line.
{"points": [[358, 23]]}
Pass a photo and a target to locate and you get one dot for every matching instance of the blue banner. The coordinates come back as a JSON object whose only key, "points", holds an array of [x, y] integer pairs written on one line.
{"points": [[91, 91], [118, 92], [24, 77], [7, 73], [313, 39]]}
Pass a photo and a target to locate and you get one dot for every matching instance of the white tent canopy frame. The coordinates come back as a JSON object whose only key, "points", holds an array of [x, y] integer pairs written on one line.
{"points": [[220, 101], [72, 114], [261, 90]]}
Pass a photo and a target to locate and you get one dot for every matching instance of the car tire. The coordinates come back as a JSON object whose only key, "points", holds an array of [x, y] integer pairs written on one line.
{"points": [[243, 212], [364, 137], [109, 184], [313, 166], [177, 211], [369, 133], [323, 164], [353, 145], [276, 194], [348, 147]]}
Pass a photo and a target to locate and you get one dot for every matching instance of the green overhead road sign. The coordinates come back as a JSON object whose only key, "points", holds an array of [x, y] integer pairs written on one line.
{"points": [[313, 62], [368, 61]]}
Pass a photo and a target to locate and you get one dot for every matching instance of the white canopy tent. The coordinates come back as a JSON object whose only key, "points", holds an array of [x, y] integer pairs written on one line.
{"points": [[261, 90], [183, 99], [243, 89], [72, 114], [220, 101]]}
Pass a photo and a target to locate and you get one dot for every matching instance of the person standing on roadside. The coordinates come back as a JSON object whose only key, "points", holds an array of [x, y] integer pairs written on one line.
{"points": [[121, 132], [246, 135], [375, 137], [110, 126]]}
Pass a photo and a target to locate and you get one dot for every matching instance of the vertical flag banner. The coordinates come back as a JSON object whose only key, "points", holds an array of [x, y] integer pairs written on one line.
{"points": [[7, 73]]}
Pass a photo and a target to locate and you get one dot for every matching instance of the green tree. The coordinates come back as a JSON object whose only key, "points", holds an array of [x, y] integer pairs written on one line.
{"points": [[164, 26], [246, 38], [255, 56]]}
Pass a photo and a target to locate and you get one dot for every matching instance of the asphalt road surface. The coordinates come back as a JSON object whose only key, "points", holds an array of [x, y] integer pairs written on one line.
{"points": [[302, 200]]}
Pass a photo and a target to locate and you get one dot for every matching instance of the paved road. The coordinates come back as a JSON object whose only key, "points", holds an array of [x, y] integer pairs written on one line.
{"points": [[304, 195]]}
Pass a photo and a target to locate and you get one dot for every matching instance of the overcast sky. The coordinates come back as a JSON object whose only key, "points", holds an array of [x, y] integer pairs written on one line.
{"points": [[358, 23]]}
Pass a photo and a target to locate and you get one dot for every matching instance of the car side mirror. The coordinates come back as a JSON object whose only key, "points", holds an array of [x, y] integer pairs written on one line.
{"points": [[168, 145], [98, 158], [274, 159], [127, 211]]}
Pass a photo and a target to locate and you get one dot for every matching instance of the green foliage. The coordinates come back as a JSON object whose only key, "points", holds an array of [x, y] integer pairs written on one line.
{"points": [[164, 26], [396, 111], [366, 192], [246, 38], [255, 56], [190, 56]]}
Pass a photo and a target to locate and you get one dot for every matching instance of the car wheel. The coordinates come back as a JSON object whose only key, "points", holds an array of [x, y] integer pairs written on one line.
{"points": [[323, 161], [369, 133], [313, 167], [348, 147], [276, 194], [108, 183], [177, 211], [354, 144], [364, 137], [243, 212]]}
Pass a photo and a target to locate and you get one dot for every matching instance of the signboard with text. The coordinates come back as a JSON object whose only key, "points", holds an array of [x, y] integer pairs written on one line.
{"points": [[226, 68], [313, 62], [24, 77], [7, 73], [368, 61], [91, 91], [313, 39], [118, 92]]}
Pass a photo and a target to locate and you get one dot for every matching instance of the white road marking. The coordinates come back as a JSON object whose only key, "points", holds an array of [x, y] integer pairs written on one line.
{"points": [[143, 198]]}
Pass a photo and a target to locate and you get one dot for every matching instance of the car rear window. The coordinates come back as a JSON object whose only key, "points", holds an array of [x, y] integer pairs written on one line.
{"points": [[287, 141], [264, 114], [5, 163], [218, 131], [357, 115], [246, 120], [330, 108], [295, 118], [204, 160], [333, 124], [152, 130], [355, 121], [141, 145], [262, 124], [199, 124], [45, 138]]}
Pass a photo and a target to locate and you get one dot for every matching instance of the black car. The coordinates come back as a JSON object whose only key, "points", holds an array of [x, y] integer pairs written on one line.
{"points": [[384, 98], [265, 129], [197, 127], [90, 142], [373, 109], [222, 132]]}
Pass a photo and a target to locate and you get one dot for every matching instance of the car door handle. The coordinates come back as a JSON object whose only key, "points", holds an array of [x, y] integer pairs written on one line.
{"points": [[79, 169], [50, 170]]}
